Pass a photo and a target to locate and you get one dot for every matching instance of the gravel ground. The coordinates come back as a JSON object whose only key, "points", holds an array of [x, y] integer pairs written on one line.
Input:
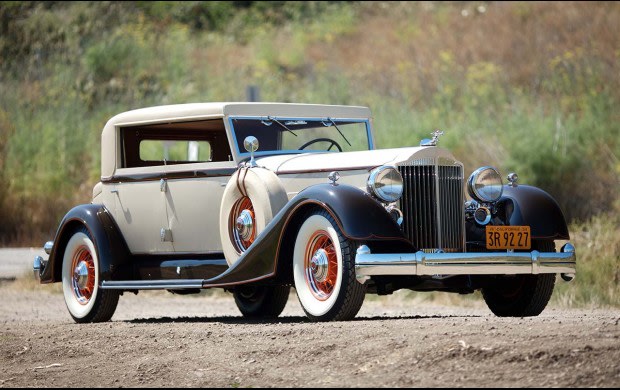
{"points": [[156, 339]]}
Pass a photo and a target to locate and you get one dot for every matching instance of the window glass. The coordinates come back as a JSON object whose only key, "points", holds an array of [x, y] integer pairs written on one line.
{"points": [[175, 151], [174, 143], [302, 135]]}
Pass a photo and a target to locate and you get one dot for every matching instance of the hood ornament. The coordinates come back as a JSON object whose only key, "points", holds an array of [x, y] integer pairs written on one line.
{"points": [[432, 142], [334, 177]]}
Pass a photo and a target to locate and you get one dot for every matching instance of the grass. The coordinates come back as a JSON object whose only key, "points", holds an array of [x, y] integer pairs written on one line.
{"points": [[597, 283], [530, 88]]}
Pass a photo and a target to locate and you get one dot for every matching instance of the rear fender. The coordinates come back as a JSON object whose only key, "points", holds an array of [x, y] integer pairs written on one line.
{"points": [[111, 248]]}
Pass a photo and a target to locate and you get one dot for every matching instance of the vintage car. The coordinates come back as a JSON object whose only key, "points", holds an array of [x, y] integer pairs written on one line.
{"points": [[256, 198]]}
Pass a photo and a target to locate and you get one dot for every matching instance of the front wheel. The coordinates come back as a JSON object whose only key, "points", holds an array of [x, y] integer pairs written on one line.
{"points": [[324, 270], [521, 295], [80, 281]]}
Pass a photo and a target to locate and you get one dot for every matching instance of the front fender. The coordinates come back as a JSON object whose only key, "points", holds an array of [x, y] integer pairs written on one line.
{"points": [[111, 247], [530, 206], [360, 217]]}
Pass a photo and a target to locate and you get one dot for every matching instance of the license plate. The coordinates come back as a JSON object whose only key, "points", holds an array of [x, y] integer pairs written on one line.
{"points": [[508, 237]]}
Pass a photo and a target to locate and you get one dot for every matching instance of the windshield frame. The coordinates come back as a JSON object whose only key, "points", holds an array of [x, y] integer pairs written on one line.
{"points": [[245, 155]]}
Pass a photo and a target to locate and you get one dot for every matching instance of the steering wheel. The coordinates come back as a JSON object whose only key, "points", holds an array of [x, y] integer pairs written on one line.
{"points": [[331, 143]]}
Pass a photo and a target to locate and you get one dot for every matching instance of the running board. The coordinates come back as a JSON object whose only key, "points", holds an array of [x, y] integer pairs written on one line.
{"points": [[179, 284]]}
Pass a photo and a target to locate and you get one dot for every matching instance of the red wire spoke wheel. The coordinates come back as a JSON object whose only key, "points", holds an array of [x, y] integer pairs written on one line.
{"points": [[324, 270], [242, 224], [85, 300], [83, 281], [321, 264]]}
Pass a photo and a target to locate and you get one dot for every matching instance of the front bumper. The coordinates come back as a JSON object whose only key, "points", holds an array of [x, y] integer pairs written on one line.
{"points": [[420, 263]]}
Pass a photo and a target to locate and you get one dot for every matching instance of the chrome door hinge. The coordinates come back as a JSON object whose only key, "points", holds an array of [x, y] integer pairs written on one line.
{"points": [[165, 235]]}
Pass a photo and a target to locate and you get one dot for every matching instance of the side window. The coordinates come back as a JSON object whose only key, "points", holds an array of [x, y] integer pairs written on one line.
{"points": [[175, 151], [174, 143]]}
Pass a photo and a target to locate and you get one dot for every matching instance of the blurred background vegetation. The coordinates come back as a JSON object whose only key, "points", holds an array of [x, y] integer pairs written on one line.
{"points": [[528, 87]]}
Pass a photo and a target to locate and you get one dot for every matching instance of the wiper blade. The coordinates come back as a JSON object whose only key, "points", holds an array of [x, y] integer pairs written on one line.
{"points": [[336, 126], [281, 125]]}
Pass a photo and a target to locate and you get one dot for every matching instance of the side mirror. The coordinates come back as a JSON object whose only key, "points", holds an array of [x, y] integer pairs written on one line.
{"points": [[251, 145]]}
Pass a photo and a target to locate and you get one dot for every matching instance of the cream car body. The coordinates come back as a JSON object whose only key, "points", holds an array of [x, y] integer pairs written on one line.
{"points": [[237, 195]]}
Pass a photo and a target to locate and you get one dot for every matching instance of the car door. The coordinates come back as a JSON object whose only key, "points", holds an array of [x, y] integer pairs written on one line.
{"points": [[193, 198], [170, 187], [140, 210]]}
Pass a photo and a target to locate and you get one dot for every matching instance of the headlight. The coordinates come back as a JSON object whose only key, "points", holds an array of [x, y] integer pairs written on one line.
{"points": [[485, 185], [385, 183]]}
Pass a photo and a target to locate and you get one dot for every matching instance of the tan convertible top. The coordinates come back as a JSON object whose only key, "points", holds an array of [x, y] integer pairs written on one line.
{"points": [[196, 111]]}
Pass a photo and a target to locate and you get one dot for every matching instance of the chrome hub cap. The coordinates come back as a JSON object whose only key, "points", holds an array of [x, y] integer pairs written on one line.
{"points": [[319, 265], [80, 275], [244, 225]]}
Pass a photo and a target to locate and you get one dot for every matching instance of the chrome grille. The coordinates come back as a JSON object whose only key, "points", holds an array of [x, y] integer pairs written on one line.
{"points": [[432, 205]]}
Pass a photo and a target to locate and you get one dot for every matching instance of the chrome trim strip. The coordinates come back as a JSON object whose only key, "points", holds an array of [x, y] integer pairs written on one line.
{"points": [[485, 263], [152, 284], [189, 174], [439, 207]]}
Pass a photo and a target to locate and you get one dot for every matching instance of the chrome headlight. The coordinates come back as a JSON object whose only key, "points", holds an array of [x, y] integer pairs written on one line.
{"points": [[385, 183], [485, 185]]}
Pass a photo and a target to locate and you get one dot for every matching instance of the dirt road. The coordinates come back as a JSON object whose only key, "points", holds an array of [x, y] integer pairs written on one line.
{"points": [[157, 339]]}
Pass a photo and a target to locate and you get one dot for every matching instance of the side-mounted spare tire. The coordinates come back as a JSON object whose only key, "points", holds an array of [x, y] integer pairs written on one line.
{"points": [[251, 199]]}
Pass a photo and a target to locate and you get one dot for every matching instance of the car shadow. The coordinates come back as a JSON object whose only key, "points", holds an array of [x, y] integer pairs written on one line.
{"points": [[279, 320]]}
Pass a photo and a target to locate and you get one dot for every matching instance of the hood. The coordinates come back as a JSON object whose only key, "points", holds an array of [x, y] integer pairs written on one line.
{"points": [[332, 161]]}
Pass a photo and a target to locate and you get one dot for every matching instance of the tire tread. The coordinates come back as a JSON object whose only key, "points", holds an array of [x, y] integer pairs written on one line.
{"points": [[537, 291], [352, 297], [106, 301]]}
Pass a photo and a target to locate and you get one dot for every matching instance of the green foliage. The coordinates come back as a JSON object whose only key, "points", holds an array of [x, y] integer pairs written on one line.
{"points": [[541, 103], [598, 266]]}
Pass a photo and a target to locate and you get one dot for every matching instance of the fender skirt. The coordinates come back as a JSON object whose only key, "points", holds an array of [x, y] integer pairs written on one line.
{"points": [[530, 206], [359, 216], [111, 247]]}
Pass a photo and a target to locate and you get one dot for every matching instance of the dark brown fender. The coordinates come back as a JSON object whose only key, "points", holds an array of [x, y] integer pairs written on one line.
{"points": [[530, 206], [359, 216], [111, 247]]}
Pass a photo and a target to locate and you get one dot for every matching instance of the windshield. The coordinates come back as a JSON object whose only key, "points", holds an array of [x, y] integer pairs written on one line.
{"points": [[291, 135]]}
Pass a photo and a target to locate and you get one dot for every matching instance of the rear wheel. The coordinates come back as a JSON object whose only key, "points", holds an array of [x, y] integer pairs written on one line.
{"points": [[80, 281], [261, 302], [521, 295], [324, 270]]}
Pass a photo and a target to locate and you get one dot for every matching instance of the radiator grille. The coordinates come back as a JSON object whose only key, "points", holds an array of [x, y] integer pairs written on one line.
{"points": [[432, 205]]}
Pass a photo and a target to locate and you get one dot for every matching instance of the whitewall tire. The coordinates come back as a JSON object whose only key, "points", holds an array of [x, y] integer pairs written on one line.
{"points": [[324, 270], [85, 301]]}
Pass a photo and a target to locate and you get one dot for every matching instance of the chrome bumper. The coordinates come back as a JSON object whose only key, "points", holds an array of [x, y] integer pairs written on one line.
{"points": [[486, 263], [39, 263]]}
